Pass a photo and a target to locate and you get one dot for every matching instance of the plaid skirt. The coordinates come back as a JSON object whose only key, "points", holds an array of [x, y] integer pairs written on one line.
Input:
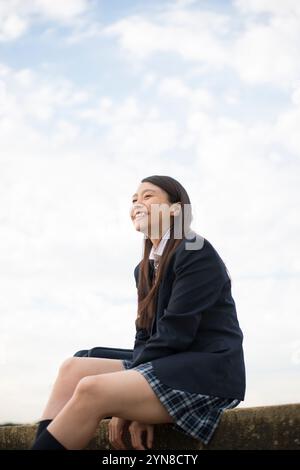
{"points": [[194, 415]]}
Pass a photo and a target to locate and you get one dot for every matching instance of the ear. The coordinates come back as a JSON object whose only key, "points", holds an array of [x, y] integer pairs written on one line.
{"points": [[175, 209]]}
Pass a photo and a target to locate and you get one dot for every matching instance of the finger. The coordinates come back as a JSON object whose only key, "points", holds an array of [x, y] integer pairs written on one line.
{"points": [[111, 435], [138, 439], [119, 440], [150, 434], [114, 437], [119, 429], [133, 438]]}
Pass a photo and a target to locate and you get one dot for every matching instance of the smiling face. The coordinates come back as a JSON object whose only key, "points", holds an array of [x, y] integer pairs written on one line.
{"points": [[145, 213]]}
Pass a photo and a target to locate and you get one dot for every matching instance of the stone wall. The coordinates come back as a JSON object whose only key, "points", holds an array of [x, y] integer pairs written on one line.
{"points": [[263, 427]]}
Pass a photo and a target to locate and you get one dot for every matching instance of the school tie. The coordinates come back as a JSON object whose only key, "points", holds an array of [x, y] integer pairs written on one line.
{"points": [[153, 264], [156, 262]]}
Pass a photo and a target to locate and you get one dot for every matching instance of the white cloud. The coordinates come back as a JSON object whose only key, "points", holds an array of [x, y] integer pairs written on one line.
{"points": [[149, 79], [105, 113], [128, 125], [16, 16], [176, 88], [23, 95], [296, 96], [60, 10], [259, 51], [194, 36], [12, 27], [276, 7], [269, 53], [240, 179], [287, 126]]}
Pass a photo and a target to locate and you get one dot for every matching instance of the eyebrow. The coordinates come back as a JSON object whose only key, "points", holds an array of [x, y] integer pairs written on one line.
{"points": [[145, 190]]}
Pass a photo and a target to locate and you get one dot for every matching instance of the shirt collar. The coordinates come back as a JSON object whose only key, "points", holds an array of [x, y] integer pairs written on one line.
{"points": [[159, 250]]}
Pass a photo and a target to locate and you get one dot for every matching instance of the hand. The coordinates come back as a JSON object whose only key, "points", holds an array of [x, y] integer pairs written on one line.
{"points": [[116, 428], [136, 430]]}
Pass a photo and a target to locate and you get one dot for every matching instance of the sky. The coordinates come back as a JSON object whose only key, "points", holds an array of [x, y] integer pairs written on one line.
{"points": [[96, 95]]}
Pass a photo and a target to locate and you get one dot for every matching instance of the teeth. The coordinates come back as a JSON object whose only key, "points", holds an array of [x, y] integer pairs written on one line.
{"points": [[139, 215]]}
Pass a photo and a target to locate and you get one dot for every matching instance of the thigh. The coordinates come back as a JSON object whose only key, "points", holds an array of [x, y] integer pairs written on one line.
{"points": [[128, 395], [79, 367]]}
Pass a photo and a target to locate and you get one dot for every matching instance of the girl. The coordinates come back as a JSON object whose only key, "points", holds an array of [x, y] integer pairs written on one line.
{"points": [[187, 363]]}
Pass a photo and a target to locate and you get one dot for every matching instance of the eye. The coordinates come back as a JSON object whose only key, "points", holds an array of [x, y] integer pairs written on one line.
{"points": [[147, 195]]}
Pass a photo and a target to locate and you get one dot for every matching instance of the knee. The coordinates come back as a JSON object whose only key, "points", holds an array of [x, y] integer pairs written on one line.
{"points": [[87, 387], [68, 366]]}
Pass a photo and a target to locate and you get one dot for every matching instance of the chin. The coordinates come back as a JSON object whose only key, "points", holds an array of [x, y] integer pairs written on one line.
{"points": [[139, 227]]}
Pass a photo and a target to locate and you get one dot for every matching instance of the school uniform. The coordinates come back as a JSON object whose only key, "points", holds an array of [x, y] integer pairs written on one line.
{"points": [[193, 356]]}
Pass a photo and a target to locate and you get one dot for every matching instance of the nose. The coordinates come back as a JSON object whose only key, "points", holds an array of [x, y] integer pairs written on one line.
{"points": [[135, 206], [138, 205]]}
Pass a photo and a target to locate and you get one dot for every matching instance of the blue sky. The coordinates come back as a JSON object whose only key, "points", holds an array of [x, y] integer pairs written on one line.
{"points": [[96, 95]]}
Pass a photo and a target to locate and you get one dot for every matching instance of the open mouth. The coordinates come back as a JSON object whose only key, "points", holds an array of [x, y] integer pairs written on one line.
{"points": [[140, 215]]}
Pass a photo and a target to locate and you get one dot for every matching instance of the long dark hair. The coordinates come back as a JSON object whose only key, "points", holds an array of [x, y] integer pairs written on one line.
{"points": [[147, 292]]}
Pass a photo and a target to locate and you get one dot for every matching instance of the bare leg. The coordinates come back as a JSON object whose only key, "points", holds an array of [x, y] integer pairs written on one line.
{"points": [[70, 373], [125, 394]]}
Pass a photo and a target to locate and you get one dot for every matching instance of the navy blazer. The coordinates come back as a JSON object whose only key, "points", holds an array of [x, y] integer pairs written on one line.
{"points": [[195, 342]]}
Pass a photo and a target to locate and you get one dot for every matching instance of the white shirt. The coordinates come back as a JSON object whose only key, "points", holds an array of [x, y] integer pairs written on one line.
{"points": [[159, 250]]}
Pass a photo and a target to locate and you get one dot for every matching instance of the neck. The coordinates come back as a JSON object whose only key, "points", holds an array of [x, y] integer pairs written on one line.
{"points": [[156, 241]]}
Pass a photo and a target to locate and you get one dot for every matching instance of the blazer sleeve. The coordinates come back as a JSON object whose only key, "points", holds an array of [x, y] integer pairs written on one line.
{"points": [[199, 278]]}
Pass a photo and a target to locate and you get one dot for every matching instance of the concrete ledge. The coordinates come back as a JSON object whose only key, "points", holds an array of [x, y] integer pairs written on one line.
{"points": [[262, 428]]}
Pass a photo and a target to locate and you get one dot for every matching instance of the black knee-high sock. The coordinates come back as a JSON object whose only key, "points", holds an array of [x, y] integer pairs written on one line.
{"points": [[41, 426], [46, 441]]}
